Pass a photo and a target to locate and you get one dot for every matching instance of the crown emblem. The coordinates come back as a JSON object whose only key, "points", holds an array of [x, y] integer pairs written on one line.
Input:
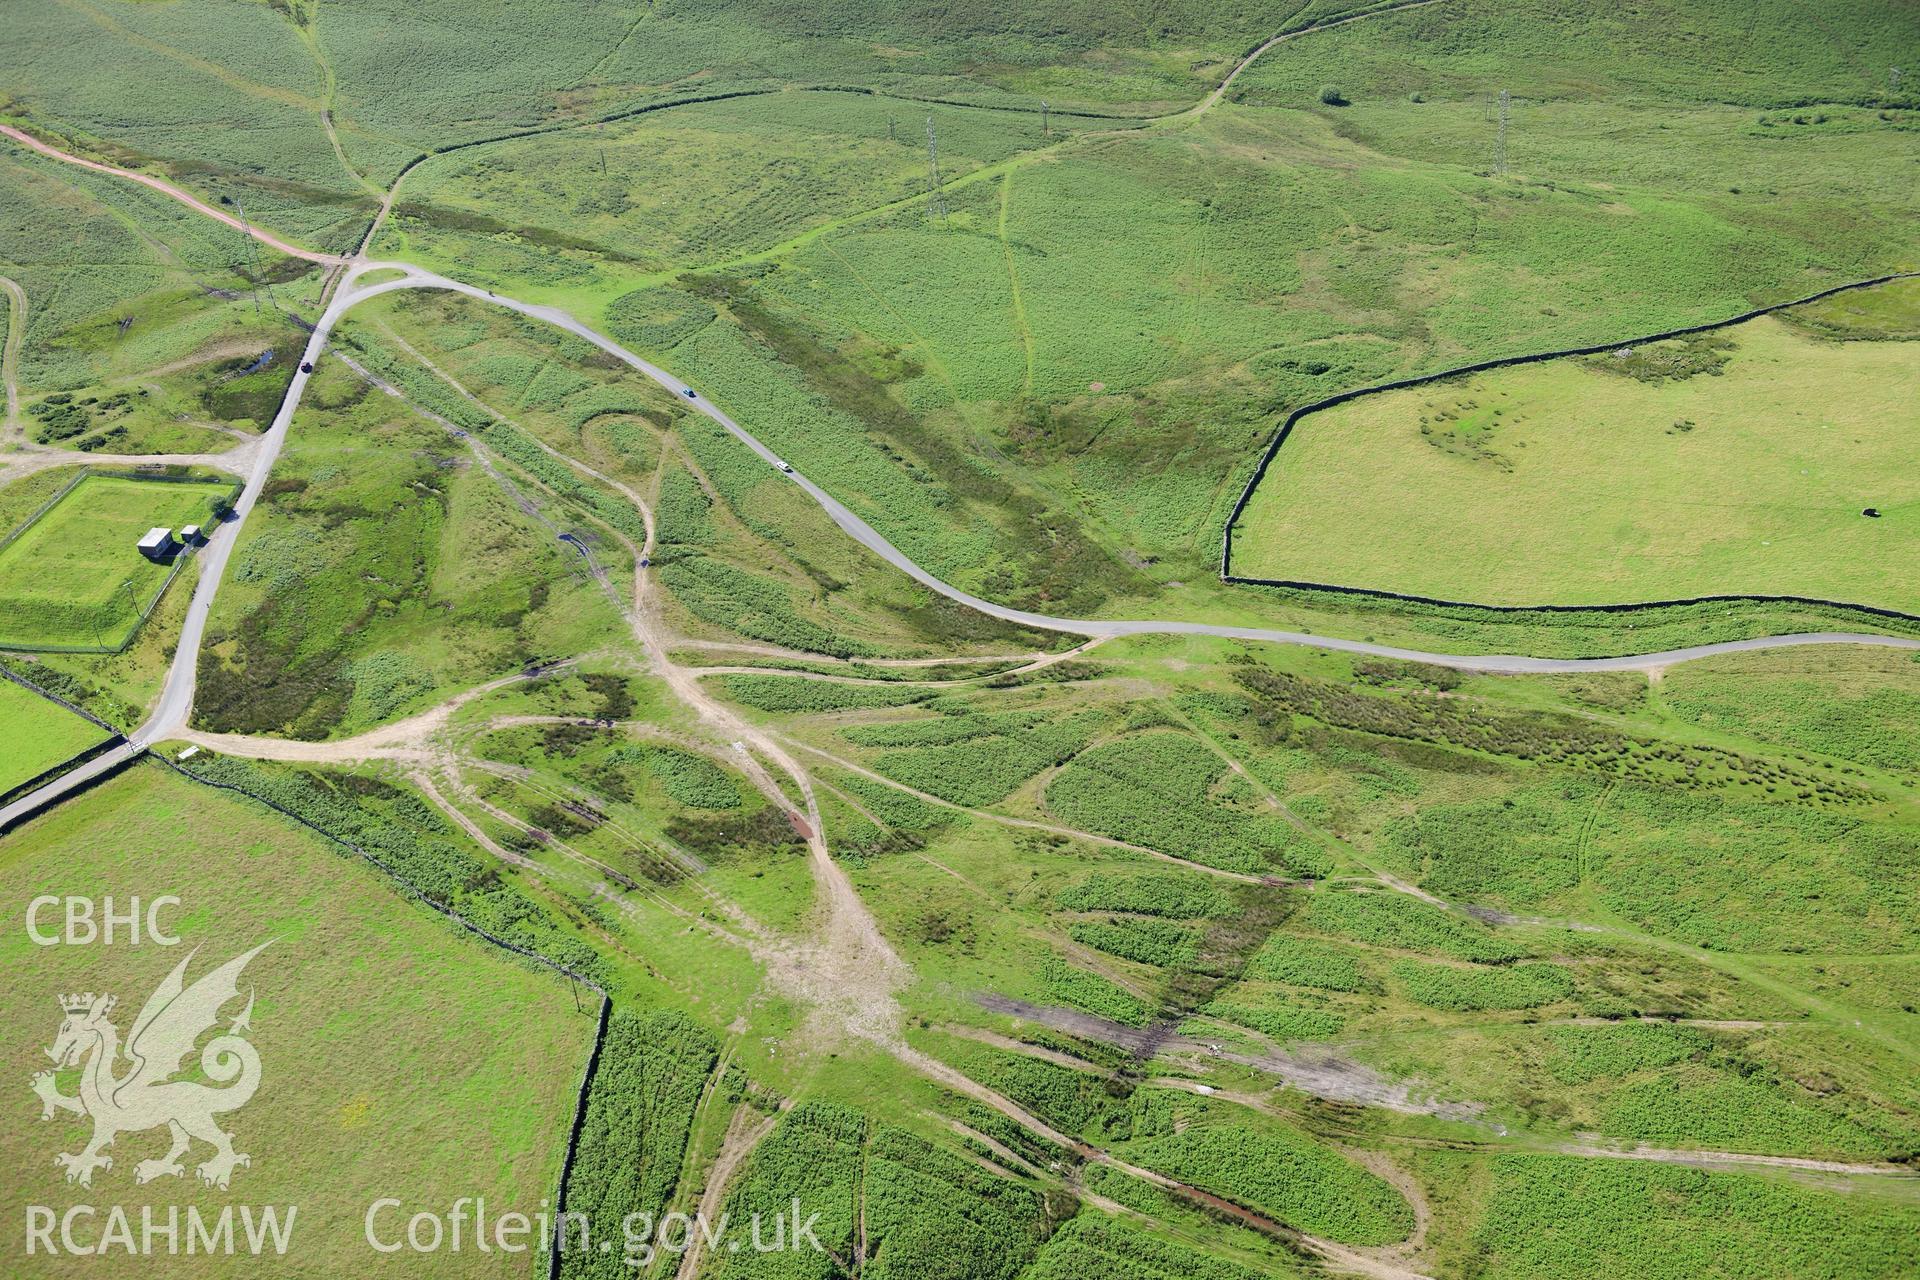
{"points": [[81, 1003]]}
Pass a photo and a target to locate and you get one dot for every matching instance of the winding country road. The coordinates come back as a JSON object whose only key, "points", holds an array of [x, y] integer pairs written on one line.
{"points": [[170, 717], [176, 700]]}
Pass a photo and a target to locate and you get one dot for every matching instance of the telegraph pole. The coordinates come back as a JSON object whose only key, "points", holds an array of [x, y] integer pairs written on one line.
{"points": [[936, 203], [1500, 139], [1045, 126], [132, 600]]}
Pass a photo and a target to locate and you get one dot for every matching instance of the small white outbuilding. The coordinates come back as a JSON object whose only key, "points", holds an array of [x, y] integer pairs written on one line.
{"points": [[158, 542]]}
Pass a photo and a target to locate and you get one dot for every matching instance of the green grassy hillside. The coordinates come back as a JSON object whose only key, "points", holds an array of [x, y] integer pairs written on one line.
{"points": [[1007, 954]]}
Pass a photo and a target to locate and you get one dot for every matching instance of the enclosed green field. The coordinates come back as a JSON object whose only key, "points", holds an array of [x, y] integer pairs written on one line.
{"points": [[73, 578], [40, 734], [1744, 462], [398, 1056]]}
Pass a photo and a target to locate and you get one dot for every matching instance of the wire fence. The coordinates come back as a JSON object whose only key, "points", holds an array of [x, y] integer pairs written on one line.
{"points": [[95, 620], [21, 528]]}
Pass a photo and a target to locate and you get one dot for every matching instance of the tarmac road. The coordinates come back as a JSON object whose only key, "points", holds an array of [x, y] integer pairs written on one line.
{"points": [[171, 714]]}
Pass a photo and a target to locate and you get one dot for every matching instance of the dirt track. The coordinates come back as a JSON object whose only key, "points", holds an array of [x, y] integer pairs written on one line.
{"points": [[168, 189], [10, 356]]}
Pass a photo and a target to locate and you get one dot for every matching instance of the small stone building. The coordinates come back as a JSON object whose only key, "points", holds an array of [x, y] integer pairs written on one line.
{"points": [[157, 543]]}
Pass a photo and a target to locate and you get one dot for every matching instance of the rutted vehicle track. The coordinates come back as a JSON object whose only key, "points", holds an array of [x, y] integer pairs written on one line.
{"points": [[10, 353]]}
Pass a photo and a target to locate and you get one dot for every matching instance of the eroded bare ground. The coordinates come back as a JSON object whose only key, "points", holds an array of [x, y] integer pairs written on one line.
{"points": [[1599, 1148], [31, 458], [10, 430], [414, 738], [1317, 1071], [843, 971]]}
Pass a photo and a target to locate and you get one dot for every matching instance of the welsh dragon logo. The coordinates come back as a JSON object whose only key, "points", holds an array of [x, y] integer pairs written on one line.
{"points": [[145, 1095]]}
